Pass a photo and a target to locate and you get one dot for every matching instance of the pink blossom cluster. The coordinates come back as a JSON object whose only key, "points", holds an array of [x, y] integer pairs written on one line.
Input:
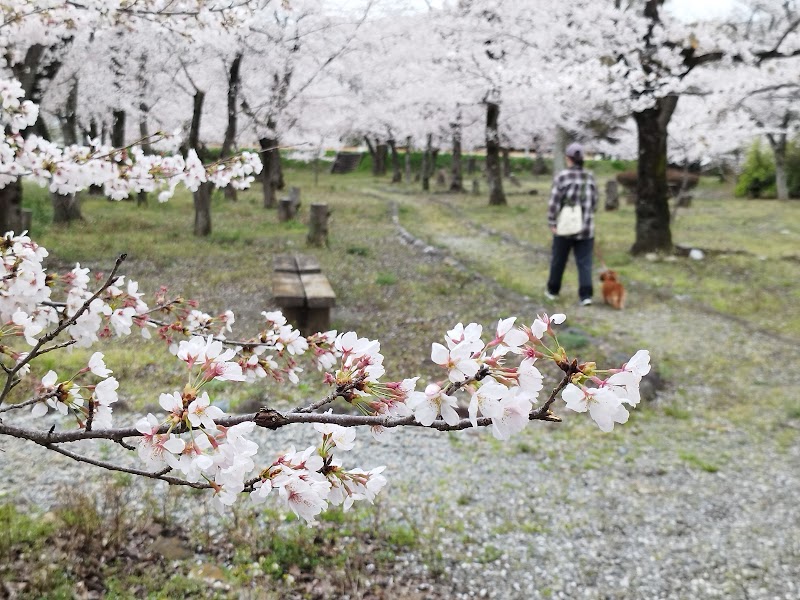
{"points": [[310, 480], [90, 403], [605, 401]]}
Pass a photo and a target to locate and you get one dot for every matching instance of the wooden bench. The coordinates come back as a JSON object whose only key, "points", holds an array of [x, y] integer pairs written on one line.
{"points": [[303, 292]]}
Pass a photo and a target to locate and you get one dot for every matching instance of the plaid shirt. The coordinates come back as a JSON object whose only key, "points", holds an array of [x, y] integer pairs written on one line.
{"points": [[567, 187]]}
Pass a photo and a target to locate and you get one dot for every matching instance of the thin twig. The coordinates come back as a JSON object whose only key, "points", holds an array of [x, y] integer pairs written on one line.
{"points": [[161, 475], [35, 400]]}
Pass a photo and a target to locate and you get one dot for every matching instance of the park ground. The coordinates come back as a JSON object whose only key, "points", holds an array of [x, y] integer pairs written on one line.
{"points": [[694, 497]]}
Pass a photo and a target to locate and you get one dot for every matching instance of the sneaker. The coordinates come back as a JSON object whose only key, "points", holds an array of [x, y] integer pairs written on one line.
{"points": [[586, 302], [550, 296]]}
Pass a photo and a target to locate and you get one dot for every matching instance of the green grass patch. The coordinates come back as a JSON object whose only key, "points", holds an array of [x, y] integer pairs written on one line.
{"points": [[386, 279], [677, 412], [696, 462]]}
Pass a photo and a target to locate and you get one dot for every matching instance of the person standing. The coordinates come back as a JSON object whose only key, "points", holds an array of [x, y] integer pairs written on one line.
{"points": [[570, 186]]}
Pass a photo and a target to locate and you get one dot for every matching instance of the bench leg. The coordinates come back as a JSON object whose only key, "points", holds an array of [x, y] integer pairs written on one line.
{"points": [[296, 316], [318, 319]]}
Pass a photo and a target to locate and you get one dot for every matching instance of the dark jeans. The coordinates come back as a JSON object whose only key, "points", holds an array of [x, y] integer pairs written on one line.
{"points": [[583, 258]]}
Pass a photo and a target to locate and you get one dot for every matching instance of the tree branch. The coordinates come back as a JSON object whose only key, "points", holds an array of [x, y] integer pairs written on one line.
{"points": [[161, 475]]}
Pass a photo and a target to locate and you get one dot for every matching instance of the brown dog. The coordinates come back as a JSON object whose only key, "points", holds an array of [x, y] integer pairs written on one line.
{"points": [[613, 292]]}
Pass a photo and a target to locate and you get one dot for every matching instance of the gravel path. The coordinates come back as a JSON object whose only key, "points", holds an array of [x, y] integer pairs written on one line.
{"points": [[703, 505]]}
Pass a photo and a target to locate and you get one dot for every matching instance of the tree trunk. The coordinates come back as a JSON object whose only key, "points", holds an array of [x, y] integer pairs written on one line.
{"points": [[194, 128], [373, 155], [506, 153], [69, 120], [494, 177], [612, 195], [408, 160], [456, 173], [381, 151], [202, 209], [230, 130], [233, 96], [30, 72], [10, 207], [778, 144], [66, 207], [559, 149], [118, 128], [652, 207], [426, 164], [144, 130], [270, 174], [397, 174], [318, 225]]}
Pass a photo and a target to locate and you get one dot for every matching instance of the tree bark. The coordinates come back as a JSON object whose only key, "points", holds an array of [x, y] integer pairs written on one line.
{"points": [[778, 145], [230, 130], [270, 174], [197, 115], [147, 148], [118, 118], [559, 149], [11, 207], [506, 153], [456, 172], [373, 155], [397, 174], [426, 164], [494, 177], [612, 195], [652, 207], [144, 130], [233, 97], [381, 151], [69, 120], [408, 160], [66, 208], [30, 73], [202, 210]]}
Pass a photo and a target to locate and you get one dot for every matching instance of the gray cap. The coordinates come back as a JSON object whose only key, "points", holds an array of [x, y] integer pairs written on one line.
{"points": [[574, 150]]}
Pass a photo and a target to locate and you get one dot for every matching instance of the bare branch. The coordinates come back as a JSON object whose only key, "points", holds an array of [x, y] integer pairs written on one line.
{"points": [[161, 475]]}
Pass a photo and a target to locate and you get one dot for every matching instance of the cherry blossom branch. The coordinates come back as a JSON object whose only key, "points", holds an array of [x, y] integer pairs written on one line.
{"points": [[320, 403], [30, 402], [50, 336], [570, 369], [269, 419]]}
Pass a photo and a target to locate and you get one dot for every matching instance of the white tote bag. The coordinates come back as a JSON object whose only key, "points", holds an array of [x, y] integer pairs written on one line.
{"points": [[570, 220]]}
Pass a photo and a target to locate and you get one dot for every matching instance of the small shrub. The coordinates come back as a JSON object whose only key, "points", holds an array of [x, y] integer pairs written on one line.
{"points": [[757, 179], [386, 279], [358, 251]]}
